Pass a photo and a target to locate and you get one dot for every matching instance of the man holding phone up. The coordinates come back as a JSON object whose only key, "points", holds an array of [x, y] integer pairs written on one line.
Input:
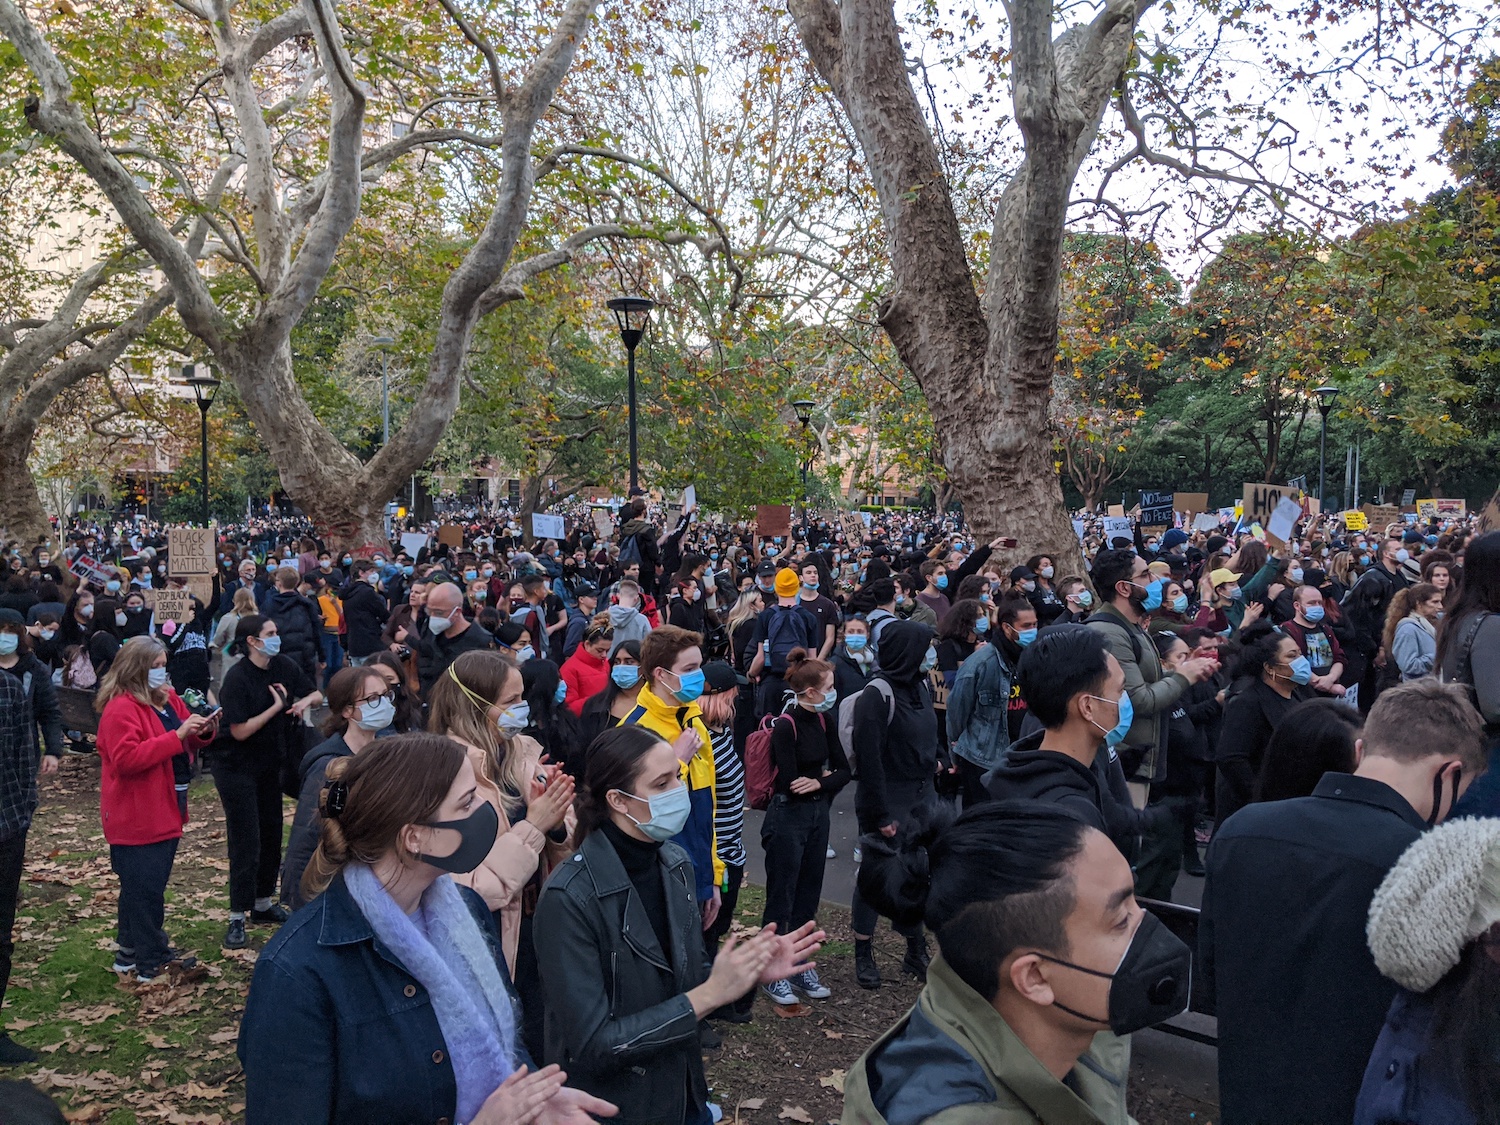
{"points": [[264, 700]]}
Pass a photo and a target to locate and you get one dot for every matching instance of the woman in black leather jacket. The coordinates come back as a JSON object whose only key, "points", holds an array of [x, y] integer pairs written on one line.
{"points": [[626, 978]]}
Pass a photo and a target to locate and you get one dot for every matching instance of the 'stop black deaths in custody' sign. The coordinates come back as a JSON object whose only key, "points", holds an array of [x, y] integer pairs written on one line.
{"points": [[1156, 509]]}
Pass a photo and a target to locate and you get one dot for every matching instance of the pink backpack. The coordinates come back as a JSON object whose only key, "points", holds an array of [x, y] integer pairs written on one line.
{"points": [[760, 765]]}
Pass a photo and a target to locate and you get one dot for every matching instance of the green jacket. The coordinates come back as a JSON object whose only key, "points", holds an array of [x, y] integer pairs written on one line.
{"points": [[1152, 695], [953, 1061]]}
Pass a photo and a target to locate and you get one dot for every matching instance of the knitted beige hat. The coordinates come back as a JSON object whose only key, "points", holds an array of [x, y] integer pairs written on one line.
{"points": [[1442, 894]]}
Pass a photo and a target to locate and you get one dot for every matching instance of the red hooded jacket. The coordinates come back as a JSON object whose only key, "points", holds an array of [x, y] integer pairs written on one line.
{"points": [[137, 792]]}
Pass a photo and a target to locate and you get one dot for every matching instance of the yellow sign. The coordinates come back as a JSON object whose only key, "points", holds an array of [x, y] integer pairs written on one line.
{"points": [[1355, 521]]}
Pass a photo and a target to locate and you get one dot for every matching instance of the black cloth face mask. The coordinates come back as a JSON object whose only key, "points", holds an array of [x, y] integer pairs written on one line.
{"points": [[477, 833], [1152, 983]]}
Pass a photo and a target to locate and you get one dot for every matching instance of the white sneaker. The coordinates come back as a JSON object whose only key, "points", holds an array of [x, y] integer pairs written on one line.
{"points": [[857, 855], [780, 992], [809, 985], [832, 854]]}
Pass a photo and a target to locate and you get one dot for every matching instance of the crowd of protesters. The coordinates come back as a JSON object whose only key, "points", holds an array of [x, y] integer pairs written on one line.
{"points": [[520, 830]]}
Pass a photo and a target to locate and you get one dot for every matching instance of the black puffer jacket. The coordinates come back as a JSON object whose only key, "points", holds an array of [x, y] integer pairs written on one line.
{"points": [[365, 612], [301, 627]]}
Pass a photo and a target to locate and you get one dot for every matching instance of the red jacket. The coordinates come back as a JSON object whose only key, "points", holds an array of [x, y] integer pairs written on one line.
{"points": [[586, 675], [137, 793]]}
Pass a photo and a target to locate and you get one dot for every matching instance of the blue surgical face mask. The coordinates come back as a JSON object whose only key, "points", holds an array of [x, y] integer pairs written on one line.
{"points": [[1179, 604], [1313, 613], [1116, 734], [929, 662], [561, 693], [625, 675], [1152, 599], [1301, 670], [982, 626], [1364, 560], [826, 703], [407, 570], [271, 646], [1294, 574], [1402, 555], [470, 575], [813, 586], [856, 642], [1026, 636], [113, 586], [669, 813], [689, 687], [9, 643], [941, 581]]}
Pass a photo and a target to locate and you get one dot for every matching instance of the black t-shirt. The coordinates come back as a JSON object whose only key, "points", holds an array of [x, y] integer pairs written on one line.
{"points": [[245, 694], [827, 614]]}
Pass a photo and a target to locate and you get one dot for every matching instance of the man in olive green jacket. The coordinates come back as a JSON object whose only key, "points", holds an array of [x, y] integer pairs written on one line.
{"points": [[955, 1056]]}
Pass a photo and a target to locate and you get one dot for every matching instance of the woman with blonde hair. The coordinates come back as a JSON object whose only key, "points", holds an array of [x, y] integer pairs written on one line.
{"points": [[477, 703], [223, 642], [143, 725]]}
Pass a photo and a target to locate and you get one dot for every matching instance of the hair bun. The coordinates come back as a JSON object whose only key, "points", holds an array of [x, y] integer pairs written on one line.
{"points": [[797, 656]]}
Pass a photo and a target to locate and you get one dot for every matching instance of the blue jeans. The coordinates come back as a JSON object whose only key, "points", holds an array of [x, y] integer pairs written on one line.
{"points": [[333, 656]]}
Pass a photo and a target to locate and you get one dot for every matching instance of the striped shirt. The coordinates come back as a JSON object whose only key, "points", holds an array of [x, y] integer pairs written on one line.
{"points": [[729, 798]]}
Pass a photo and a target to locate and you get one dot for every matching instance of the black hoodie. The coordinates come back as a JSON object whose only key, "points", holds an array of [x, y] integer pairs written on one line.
{"points": [[899, 749], [1030, 772]]}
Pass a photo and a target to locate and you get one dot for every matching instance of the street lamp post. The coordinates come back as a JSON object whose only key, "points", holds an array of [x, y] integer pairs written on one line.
{"points": [[1326, 395], [200, 377], [632, 314], [804, 409]]}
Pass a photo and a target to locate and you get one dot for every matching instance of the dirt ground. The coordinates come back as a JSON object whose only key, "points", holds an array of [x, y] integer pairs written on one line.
{"points": [[129, 1054]]}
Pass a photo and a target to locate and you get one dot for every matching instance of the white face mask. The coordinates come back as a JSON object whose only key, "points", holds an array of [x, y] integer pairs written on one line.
{"points": [[157, 678]]}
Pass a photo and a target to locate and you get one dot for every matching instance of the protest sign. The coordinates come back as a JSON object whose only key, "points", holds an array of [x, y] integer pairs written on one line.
{"points": [[1078, 529], [1430, 509], [690, 497], [1489, 518], [1284, 519], [604, 524], [1117, 510], [172, 604], [451, 535], [1117, 527], [413, 541], [1381, 515], [190, 550], [1156, 509], [1205, 521], [93, 570], [854, 527], [1190, 502], [1260, 501], [546, 526], [1409, 497], [1355, 521], [772, 520]]}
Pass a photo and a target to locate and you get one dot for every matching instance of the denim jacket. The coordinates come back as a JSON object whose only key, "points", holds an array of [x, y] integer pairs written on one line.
{"points": [[978, 729], [337, 1032]]}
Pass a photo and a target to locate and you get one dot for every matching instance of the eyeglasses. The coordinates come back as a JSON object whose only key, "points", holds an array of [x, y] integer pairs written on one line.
{"points": [[371, 700]]}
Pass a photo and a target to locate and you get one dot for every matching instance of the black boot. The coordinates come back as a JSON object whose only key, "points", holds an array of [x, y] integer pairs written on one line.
{"points": [[866, 975], [916, 960]]}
